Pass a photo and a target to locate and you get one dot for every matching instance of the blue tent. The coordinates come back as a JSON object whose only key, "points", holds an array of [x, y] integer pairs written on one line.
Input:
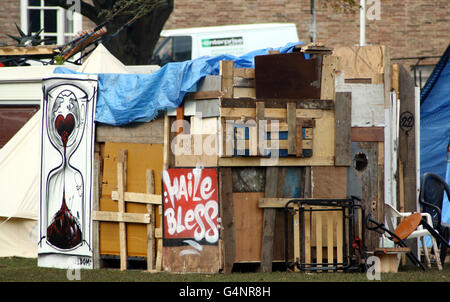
{"points": [[435, 125]]}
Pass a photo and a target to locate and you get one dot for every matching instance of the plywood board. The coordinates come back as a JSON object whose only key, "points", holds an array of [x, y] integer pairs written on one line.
{"points": [[363, 62], [140, 158], [367, 102], [288, 76], [342, 128], [329, 182], [176, 259], [248, 221]]}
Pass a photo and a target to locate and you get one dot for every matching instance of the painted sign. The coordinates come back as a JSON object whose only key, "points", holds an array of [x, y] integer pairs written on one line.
{"points": [[67, 148], [191, 208]]}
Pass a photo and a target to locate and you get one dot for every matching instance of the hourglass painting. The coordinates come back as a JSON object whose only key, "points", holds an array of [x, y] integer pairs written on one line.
{"points": [[66, 169]]}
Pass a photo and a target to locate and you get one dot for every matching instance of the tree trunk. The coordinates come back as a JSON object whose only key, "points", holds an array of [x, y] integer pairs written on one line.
{"points": [[134, 44]]}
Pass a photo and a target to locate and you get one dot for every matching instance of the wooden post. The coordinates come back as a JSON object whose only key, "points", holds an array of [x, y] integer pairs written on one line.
{"points": [[96, 207], [121, 188], [226, 71], [343, 127], [229, 248], [269, 220], [166, 146], [292, 129], [150, 188], [259, 117]]}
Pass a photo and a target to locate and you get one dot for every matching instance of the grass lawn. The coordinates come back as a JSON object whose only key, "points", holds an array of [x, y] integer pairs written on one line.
{"points": [[26, 270]]}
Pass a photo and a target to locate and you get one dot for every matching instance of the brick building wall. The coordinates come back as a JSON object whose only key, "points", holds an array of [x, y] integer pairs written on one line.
{"points": [[9, 14], [409, 28]]}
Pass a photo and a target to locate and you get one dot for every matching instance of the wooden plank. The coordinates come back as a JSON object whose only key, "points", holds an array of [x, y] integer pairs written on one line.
{"points": [[296, 235], [138, 197], [226, 197], [273, 202], [142, 133], [228, 141], [367, 134], [202, 149], [339, 237], [318, 225], [282, 144], [260, 111], [166, 148], [121, 186], [270, 112], [151, 251], [253, 139], [299, 143], [226, 71], [96, 207], [120, 217], [342, 131], [247, 73], [27, 51], [395, 79], [180, 118], [282, 161], [330, 221], [239, 82], [159, 255], [203, 95], [394, 250], [407, 139], [307, 227], [292, 130], [269, 220], [240, 140], [240, 92], [329, 68], [326, 104]]}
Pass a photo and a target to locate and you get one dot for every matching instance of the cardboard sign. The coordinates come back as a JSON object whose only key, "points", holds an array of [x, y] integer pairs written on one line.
{"points": [[191, 208]]}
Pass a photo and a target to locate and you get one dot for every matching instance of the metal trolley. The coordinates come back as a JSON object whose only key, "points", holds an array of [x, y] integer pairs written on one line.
{"points": [[326, 234]]}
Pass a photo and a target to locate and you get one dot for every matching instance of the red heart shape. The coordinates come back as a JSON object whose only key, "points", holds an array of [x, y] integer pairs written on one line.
{"points": [[65, 126]]}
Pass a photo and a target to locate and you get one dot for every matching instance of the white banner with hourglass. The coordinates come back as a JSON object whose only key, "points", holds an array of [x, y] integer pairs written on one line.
{"points": [[67, 151]]}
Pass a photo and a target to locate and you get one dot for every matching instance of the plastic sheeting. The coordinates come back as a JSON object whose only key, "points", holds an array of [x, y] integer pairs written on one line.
{"points": [[127, 98], [435, 119], [435, 125]]}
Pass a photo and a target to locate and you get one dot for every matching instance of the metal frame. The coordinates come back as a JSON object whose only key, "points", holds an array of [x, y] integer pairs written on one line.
{"points": [[349, 208]]}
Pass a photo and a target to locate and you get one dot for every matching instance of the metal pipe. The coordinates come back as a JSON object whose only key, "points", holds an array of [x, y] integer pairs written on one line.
{"points": [[312, 32], [362, 23]]}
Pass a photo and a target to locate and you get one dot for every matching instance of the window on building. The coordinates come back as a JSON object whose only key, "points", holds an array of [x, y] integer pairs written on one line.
{"points": [[59, 25]]}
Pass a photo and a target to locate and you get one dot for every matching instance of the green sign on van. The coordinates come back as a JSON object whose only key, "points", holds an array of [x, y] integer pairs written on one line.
{"points": [[222, 42]]}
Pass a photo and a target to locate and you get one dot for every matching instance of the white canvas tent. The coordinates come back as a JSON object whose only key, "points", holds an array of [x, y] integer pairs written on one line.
{"points": [[19, 192], [20, 163]]}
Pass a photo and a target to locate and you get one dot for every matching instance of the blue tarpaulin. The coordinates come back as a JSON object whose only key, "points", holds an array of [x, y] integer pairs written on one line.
{"points": [[435, 125], [127, 98]]}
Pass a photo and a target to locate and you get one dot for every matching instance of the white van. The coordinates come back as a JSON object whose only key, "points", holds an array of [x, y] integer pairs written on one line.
{"points": [[178, 45]]}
